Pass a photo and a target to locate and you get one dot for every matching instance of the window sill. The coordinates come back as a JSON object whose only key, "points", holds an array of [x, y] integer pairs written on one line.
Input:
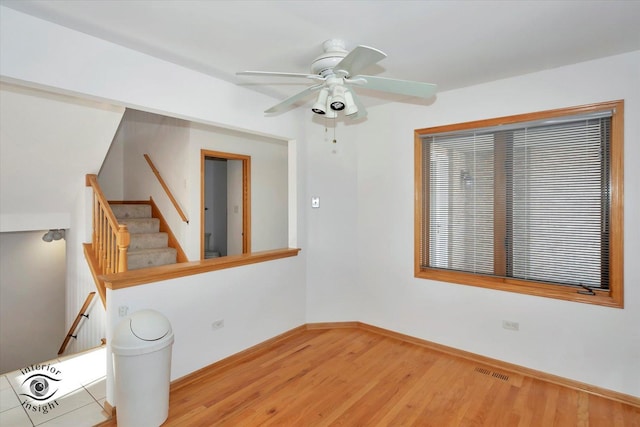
{"points": [[567, 293], [173, 271]]}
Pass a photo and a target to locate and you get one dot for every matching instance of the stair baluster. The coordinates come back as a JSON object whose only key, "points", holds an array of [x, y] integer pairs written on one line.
{"points": [[107, 252]]}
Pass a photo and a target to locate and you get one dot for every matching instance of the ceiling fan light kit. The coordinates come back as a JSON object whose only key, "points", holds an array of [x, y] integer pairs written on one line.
{"points": [[337, 69], [320, 107], [337, 98], [352, 108]]}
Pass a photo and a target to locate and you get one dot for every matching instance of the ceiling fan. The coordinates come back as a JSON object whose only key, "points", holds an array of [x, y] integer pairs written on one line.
{"points": [[337, 73]]}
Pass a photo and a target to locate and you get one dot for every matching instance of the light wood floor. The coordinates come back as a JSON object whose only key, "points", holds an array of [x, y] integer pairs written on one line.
{"points": [[353, 377]]}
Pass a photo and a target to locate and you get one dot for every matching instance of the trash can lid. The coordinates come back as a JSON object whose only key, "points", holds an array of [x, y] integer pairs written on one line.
{"points": [[142, 332], [149, 325]]}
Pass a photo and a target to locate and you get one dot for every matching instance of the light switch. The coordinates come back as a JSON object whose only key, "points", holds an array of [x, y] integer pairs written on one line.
{"points": [[315, 202]]}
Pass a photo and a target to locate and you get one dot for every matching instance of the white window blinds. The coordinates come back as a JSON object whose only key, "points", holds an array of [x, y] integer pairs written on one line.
{"points": [[527, 200]]}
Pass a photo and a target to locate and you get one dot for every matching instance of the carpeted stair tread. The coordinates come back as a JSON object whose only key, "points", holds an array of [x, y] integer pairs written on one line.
{"points": [[148, 246], [122, 211], [144, 258], [148, 241], [141, 225]]}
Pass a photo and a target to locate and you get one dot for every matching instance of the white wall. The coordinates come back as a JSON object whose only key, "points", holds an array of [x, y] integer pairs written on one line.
{"points": [[79, 281], [166, 141], [174, 147], [256, 302], [32, 300], [35, 125], [48, 143], [332, 274], [269, 189], [111, 174], [592, 344]]}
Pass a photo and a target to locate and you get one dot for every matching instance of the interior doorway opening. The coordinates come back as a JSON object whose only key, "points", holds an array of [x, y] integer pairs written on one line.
{"points": [[226, 208]]}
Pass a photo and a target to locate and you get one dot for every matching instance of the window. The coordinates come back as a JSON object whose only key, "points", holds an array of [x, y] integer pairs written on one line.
{"points": [[530, 203]]}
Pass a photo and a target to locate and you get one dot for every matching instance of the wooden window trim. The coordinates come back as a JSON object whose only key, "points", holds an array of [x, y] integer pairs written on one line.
{"points": [[614, 296]]}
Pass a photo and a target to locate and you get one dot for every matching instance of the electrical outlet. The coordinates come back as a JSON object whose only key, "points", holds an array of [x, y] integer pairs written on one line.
{"points": [[123, 310], [218, 324], [512, 326], [315, 202]]}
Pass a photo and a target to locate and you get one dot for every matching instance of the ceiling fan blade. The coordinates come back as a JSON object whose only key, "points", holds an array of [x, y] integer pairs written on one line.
{"points": [[358, 59], [402, 87], [278, 74], [294, 98]]}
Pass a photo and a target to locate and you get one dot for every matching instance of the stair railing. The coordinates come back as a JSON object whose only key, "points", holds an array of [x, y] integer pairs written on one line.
{"points": [[82, 313], [110, 240], [166, 189]]}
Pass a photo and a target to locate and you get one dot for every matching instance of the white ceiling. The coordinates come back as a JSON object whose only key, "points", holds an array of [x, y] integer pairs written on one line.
{"points": [[450, 43]]}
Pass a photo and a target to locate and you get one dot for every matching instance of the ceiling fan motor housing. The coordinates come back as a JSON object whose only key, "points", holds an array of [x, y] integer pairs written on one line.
{"points": [[334, 52]]}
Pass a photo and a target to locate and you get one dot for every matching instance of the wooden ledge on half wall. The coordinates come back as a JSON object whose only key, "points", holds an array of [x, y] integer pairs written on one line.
{"points": [[173, 271]]}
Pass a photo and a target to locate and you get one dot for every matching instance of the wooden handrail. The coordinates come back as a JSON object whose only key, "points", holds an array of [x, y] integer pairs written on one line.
{"points": [[107, 252], [110, 240], [166, 189], [82, 313], [184, 269]]}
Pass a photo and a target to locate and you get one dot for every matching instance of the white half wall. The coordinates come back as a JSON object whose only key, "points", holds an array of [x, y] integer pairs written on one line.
{"points": [[256, 302]]}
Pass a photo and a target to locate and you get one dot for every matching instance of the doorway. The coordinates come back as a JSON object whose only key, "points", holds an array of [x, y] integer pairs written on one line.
{"points": [[225, 201]]}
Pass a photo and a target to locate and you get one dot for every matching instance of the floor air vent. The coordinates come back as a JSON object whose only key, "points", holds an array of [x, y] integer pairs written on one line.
{"points": [[483, 371], [497, 375]]}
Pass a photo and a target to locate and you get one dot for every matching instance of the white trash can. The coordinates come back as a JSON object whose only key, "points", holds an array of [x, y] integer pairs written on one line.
{"points": [[141, 349]]}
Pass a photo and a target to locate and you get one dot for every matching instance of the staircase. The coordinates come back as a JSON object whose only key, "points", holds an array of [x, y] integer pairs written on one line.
{"points": [[148, 247]]}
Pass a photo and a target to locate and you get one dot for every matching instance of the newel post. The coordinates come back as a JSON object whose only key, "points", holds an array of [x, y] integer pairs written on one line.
{"points": [[124, 238]]}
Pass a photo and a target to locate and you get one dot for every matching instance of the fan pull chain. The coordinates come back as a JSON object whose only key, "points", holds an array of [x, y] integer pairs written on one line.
{"points": [[326, 130]]}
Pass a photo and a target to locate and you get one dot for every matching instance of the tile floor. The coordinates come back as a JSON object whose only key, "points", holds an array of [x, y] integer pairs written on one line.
{"points": [[79, 385]]}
